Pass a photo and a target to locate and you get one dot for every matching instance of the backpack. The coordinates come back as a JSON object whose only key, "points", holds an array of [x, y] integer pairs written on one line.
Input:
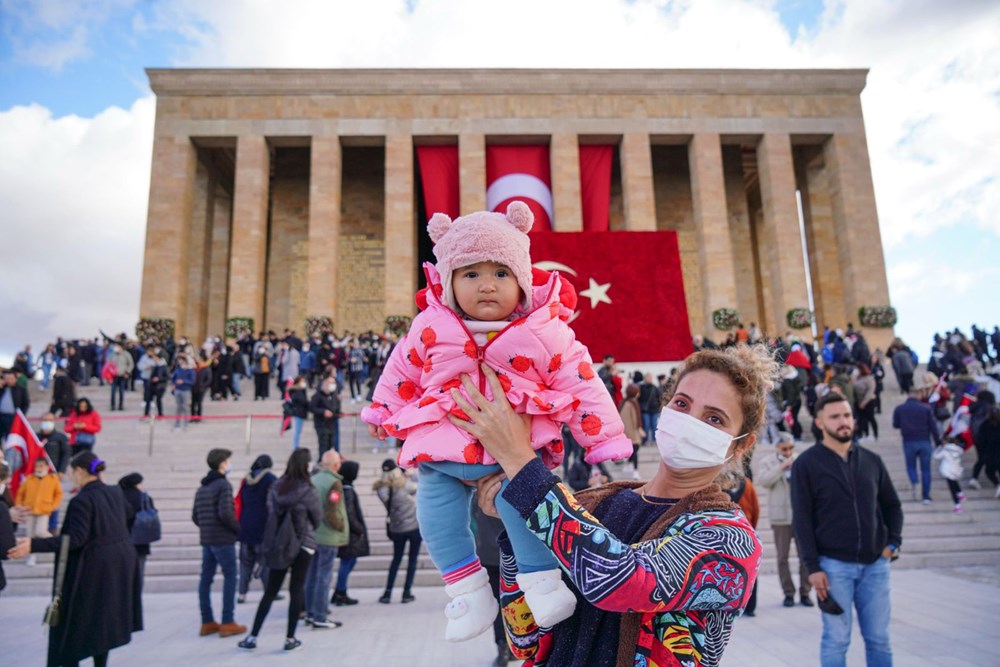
{"points": [[146, 528], [281, 543], [263, 364]]}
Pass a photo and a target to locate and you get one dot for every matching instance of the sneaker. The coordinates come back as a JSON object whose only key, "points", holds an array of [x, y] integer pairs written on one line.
{"points": [[307, 619], [408, 597], [925, 501], [249, 642], [292, 644], [230, 629], [342, 600], [789, 601], [209, 628], [958, 508], [806, 602], [240, 599], [961, 498], [913, 493], [326, 625], [386, 598], [749, 614], [973, 483]]}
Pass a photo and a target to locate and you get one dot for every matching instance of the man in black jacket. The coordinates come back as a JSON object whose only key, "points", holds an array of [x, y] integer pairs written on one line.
{"points": [[848, 522], [325, 408], [214, 513]]}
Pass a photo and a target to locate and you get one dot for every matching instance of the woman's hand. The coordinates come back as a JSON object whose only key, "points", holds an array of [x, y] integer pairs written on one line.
{"points": [[505, 434], [22, 549], [487, 488], [373, 430]]}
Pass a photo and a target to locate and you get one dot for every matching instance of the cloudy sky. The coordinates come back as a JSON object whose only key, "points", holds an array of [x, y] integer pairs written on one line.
{"points": [[76, 118]]}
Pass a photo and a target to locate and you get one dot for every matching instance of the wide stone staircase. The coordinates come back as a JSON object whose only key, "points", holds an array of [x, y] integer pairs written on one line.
{"points": [[173, 461]]}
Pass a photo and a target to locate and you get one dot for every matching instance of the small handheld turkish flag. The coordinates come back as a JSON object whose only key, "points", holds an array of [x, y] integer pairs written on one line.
{"points": [[29, 448]]}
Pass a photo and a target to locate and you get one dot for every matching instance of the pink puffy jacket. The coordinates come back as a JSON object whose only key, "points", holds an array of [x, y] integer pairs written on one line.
{"points": [[544, 370]]}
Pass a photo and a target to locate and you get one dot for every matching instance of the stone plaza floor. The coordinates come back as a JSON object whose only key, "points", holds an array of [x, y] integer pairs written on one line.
{"points": [[940, 619]]}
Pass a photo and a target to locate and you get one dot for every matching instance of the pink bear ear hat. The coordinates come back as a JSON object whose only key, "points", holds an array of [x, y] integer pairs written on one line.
{"points": [[483, 237]]}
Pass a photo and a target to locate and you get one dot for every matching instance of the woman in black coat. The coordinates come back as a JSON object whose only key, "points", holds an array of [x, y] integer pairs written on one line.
{"points": [[6, 525], [101, 605], [357, 546], [131, 486]]}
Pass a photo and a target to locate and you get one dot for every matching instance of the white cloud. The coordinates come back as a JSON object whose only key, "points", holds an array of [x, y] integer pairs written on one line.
{"points": [[73, 192]]}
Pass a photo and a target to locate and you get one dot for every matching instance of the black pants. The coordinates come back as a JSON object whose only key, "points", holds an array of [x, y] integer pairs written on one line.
{"points": [[250, 562], [399, 541], [868, 423], [261, 389], [197, 401], [100, 660], [151, 394], [493, 571], [326, 434], [354, 381], [296, 593], [955, 489], [993, 473]]}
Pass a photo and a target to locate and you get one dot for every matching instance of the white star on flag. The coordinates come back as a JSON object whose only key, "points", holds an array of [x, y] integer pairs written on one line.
{"points": [[596, 293]]}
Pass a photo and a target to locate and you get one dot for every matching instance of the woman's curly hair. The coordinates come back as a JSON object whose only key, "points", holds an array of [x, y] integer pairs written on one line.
{"points": [[751, 369]]}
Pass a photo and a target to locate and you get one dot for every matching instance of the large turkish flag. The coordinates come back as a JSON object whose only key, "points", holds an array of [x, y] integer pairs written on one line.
{"points": [[520, 172], [630, 291]]}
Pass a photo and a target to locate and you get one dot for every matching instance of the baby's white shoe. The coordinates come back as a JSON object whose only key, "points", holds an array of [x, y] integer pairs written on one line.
{"points": [[549, 599], [472, 608]]}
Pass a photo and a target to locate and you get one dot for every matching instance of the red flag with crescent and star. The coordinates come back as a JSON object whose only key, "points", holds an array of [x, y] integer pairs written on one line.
{"points": [[630, 291], [30, 448], [520, 172]]}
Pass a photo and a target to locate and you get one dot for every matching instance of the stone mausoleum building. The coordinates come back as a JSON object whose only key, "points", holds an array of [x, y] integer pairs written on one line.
{"points": [[284, 194]]}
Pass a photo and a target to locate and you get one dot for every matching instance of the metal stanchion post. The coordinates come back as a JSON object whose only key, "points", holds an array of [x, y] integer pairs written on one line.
{"points": [[249, 429], [354, 434], [152, 421]]}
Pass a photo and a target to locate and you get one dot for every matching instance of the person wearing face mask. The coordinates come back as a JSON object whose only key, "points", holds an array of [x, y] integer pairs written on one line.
{"points": [[774, 473], [325, 408], [848, 523], [298, 403], [39, 495], [101, 605], [661, 569]]}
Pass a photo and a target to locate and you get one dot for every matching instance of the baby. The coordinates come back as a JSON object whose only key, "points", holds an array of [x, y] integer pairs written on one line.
{"points": [[483, 309]]}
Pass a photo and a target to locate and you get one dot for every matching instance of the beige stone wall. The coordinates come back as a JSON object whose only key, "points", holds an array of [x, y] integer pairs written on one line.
{"points": [[198, 249], [218, 293], [288, 247], [744, 257], [361, 270], [248, 247], [674, 212]]}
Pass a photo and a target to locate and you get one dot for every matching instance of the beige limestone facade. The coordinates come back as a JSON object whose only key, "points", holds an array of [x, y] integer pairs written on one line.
{"points": [[285, 194]]}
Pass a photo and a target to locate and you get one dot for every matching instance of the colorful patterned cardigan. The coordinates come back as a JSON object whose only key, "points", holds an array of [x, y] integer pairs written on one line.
{"points": [[679, 590]]}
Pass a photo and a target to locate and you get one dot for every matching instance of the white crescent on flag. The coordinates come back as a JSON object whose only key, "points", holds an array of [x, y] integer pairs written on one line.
{"points": [[521, 186]]}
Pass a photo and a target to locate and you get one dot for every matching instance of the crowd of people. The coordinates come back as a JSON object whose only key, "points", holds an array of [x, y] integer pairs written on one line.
{"points": [[487, 394]]}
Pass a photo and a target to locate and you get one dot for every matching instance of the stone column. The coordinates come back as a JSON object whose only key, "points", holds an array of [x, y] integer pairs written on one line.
{"points": [[821, 242], [637, 182], [400, 228], [324, 226], [471, 172], [855, 221], [248, 249], [202, 213], [711, 219], [171, 195], [782, 267], [218, 272], [744, 256], [565, 156]]}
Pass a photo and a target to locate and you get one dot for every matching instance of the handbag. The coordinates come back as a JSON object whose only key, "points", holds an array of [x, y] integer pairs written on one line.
{"points": [[53, 612], [146, 528], [85, 439]]}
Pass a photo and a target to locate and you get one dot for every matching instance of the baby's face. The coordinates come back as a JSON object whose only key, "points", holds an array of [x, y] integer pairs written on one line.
{"points": [[486, 291]]}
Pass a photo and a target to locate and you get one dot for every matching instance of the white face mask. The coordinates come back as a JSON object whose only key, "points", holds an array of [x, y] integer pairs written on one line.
{"points": [[686, 442], [48, 427]]}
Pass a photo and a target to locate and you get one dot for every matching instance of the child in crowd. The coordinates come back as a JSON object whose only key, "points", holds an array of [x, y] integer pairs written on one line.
{"points": [[40, 495], [950, 456], [482, 308]]}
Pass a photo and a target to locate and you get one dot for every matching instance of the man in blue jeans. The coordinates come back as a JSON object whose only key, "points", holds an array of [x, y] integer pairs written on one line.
{"points": [[848, 523], [915, 421], [214, 513], [331, 534]]}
